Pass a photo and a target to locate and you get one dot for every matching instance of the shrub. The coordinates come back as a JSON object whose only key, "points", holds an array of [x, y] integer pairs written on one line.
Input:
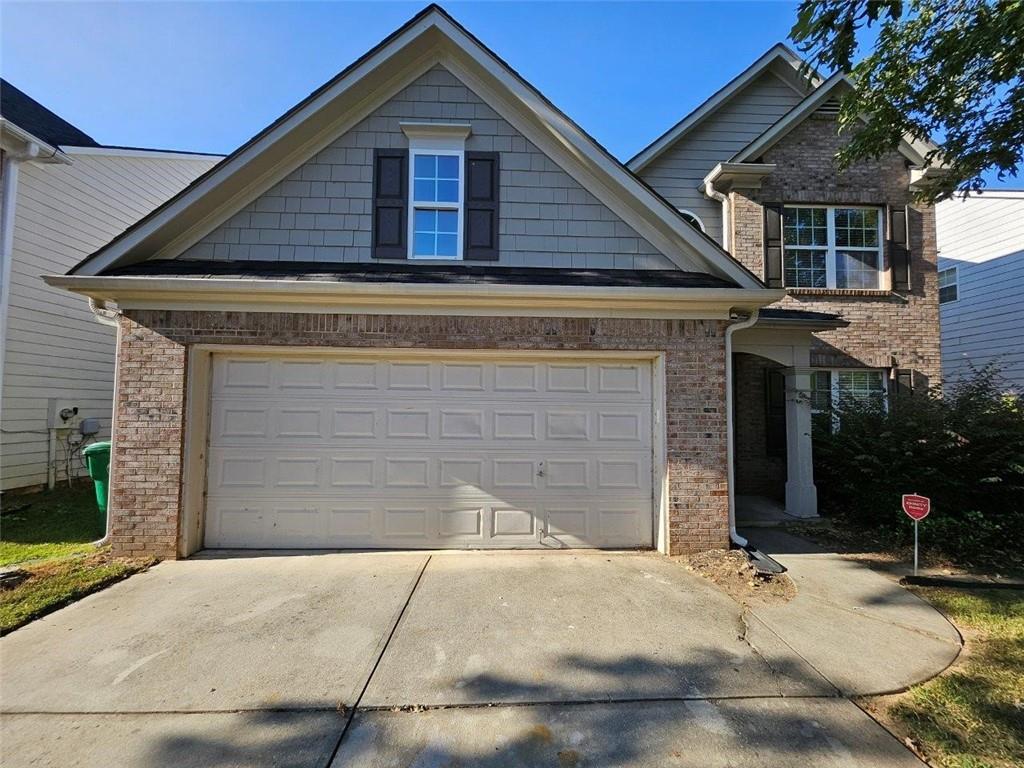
{"points": [[963, 449]]}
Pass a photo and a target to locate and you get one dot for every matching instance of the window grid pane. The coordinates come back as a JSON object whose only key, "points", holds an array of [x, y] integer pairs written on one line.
{"points": [[947, 285], [821, 392], [435, 179], [861, 385], [805, 268], [857, 269], [435, 233], [804, 226]]}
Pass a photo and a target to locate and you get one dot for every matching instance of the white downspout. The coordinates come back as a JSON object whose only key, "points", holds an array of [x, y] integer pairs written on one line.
{"points": [[714, 194], [10, 192], [109, 317], [730, 427]]}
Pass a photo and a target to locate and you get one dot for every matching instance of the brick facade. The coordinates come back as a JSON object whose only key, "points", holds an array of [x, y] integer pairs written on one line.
{"points": [[886, 329], [145, 500]]}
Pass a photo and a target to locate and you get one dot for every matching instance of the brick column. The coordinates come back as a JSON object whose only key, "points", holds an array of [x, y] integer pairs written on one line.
{"points": [[145, 483]]}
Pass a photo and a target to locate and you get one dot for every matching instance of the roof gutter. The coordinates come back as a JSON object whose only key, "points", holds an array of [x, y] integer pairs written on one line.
{"points": [[415, 298]]}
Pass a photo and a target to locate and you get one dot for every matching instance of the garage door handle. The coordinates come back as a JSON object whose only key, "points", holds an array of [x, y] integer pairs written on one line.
{"points": [[540, 469]]}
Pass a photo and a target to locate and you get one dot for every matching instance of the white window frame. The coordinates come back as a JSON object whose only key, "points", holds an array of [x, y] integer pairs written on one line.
{"points": [[955, 284], [436, 139], [695, 217], [831, 248]]}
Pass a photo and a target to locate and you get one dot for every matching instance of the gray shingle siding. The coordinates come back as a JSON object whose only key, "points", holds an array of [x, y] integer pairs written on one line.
{"points": [[679, 172], [322, 210]]}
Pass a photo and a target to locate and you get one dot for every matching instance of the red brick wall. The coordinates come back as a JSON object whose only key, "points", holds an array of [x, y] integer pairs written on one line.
{"points": [[884, 327], [149, 421]]}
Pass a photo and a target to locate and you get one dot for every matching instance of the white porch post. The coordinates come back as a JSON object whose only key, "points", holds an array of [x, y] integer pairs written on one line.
{"points": [[801, 495]]}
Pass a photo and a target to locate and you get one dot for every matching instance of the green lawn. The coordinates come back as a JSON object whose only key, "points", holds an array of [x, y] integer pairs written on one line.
{"points": [[973, 715], [49, 535], [49, 524]]}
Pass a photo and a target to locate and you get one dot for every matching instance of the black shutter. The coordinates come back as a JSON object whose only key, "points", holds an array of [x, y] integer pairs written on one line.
{"points": [[902, 382], [775, 413], [773, 245], [390, 201], [483, 184], [899, 249]]}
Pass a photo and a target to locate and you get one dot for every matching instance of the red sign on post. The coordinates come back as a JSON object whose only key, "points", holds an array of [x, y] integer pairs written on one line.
{"points": [[916, 507]]}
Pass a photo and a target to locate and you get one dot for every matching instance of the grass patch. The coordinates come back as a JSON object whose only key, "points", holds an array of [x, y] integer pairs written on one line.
{"points": [[972, 716], [50, 524], [58, 582], [48, 535]]}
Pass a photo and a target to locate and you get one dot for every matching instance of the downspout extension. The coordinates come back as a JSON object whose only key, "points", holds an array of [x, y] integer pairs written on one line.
{"points": [[730, 426]]}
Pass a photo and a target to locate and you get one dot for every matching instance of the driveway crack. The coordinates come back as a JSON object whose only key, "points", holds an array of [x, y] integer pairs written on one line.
{"points": [[745, 637]]}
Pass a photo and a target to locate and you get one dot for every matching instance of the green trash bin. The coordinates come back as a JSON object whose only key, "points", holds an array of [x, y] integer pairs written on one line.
{"points": [[97, 460]]}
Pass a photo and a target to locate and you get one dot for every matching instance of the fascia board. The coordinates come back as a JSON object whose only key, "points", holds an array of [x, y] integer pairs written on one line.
{"points": [[405, 298]]}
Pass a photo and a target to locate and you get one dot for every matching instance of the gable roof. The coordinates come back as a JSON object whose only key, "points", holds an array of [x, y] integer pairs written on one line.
{"points": [[780, 60], [913, 150], [431, 37], [28, 114]]}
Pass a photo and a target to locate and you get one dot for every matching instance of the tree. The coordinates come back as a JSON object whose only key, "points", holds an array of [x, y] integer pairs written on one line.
{"points": [[948, 69]]}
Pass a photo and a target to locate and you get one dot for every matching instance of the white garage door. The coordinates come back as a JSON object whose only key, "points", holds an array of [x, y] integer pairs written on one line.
{"points": [[429, 452]]}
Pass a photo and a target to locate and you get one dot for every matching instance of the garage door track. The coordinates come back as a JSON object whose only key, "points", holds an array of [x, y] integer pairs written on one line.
{"points": [[410, 659]]}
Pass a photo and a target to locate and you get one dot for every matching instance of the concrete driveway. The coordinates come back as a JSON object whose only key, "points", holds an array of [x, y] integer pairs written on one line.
{"points": [[407, 659]]}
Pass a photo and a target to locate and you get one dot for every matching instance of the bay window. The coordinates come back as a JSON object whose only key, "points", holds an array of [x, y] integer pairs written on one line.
{"points": [[832, 247]]}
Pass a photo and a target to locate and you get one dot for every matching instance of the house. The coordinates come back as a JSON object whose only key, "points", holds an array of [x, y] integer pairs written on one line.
{"points": [[64, 195], [424, 308], [981, 284]]}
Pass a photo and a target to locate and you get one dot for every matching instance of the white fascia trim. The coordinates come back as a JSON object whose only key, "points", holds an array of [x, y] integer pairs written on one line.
{"points": [[406, 298], [725, 176], [777, 52], [23, 145], [613, 185], [156, 154]]}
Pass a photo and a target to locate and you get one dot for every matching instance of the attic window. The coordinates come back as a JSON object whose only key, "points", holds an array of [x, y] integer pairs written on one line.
{"points": [[436, 173]]}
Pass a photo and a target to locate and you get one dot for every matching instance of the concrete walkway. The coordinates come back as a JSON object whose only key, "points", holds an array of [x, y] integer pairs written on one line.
{"points": [[861, 630], [475, 659]]}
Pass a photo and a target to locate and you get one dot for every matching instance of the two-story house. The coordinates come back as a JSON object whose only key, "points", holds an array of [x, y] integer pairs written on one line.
{"points": [[424, 308], [64, 195]]}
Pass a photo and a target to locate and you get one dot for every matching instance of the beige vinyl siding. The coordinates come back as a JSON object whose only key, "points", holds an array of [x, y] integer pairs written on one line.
{"points": [[983, 237], [323, 210], [678, 174], [54, 346]]}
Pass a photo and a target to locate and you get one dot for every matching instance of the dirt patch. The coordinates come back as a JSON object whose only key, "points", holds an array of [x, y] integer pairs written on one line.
{"points": [[730, 570]]}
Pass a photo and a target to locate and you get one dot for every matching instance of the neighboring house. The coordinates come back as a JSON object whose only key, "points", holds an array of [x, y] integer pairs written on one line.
{"points": [[64, 195], [981, 284], [425, 309]]}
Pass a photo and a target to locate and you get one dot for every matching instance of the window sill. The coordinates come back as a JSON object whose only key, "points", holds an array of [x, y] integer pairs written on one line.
{"points": [[872, 292]]}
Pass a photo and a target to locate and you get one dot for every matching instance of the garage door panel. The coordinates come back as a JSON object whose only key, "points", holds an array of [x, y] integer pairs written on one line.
{"points": [[267, 469], [432, 452], [491, 426]]}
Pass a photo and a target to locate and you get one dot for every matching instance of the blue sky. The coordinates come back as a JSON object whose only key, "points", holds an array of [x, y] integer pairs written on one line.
{"points": [[206, 76]]}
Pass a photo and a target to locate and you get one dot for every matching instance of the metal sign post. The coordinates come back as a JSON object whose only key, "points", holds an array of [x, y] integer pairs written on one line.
{"points": [[917, 509]]}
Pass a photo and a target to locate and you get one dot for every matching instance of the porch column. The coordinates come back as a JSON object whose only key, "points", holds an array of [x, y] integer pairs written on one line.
{"points": [[801, 495]]}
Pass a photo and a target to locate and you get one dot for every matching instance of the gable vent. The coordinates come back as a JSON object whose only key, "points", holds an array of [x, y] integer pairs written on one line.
{"points": [[830, 107]]}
